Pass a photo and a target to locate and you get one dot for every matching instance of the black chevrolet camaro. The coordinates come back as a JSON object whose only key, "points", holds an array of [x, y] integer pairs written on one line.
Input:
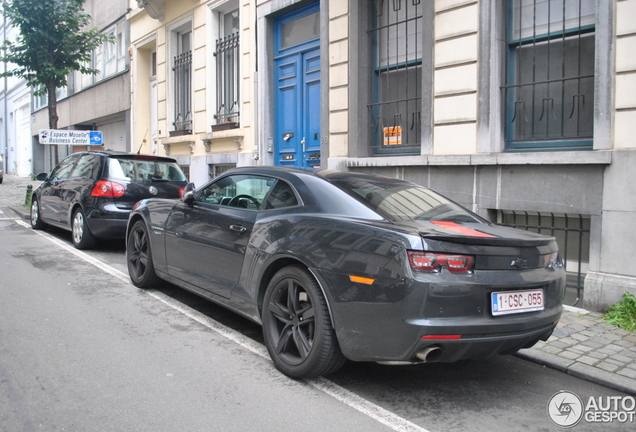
{"points": [[339, 265]]}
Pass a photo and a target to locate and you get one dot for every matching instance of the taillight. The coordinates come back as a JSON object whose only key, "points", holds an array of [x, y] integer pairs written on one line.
{"points": [[552, 260], [105, 188], [182, 191], [429, 261]]}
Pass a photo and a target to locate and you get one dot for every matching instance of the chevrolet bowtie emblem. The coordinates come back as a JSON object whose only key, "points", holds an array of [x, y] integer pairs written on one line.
{"points": [[518, 263]]}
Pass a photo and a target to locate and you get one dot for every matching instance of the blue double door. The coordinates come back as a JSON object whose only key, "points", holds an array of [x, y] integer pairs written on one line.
{"points": [[297, 88]]}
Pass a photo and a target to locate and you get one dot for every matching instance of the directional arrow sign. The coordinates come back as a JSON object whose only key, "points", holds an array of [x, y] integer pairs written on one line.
{"points": [[70, 137]]}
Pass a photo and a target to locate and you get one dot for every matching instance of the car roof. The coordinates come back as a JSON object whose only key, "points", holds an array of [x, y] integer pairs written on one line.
{"points": [[115, 153], [289, 172]]}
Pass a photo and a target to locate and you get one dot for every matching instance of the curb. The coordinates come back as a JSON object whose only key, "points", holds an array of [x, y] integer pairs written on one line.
{"points": [[579, 370], [22, 212]]}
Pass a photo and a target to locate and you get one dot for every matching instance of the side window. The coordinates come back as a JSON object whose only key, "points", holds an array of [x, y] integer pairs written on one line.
{"points": [[549, 92], [281, 196], [63, 170], [87, 166], [227, 68], [395, 34], [241, 191], [182, 80]]}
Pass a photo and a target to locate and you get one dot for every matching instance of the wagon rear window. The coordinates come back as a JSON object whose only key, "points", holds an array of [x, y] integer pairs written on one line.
{"points": [[138, 170]]}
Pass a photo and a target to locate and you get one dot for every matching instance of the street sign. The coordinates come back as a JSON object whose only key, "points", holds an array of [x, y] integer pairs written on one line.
{"points": [[96, 138], [70, 137]]}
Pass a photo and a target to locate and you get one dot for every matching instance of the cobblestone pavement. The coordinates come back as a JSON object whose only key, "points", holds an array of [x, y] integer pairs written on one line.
{"points": [[582, 345]]}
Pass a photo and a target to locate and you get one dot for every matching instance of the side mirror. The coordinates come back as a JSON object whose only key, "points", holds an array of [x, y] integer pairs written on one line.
{"points": [[41, 177], [189, 188], [188, 197]]}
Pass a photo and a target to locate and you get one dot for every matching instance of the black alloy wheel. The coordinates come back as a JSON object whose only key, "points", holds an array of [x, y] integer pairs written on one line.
{"points": [[297, 326], [139, 257], [82, 236], [36, 216]]}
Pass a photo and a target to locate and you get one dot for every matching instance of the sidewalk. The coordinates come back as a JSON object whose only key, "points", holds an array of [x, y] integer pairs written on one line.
{"points": [[583, 345]]}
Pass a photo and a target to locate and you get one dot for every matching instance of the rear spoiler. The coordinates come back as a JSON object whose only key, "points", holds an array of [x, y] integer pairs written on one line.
{"points": [[489, 241]]}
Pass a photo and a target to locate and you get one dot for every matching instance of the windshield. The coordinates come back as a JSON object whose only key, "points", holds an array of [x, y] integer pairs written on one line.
{"points": [[400, 201], [144, 170]]}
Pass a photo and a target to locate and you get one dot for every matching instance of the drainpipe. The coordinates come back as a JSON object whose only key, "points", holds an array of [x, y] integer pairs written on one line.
{"points": [[5, 131]]}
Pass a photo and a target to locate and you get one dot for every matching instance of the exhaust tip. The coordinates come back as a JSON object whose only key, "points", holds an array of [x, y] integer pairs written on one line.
{"points": [[430, 354]]}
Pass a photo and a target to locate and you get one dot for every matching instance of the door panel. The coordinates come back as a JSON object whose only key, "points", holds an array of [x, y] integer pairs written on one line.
{"points": [[53, 205], [205, 247], [287, 113], [311, 109], [297, 83], [206, 241]]}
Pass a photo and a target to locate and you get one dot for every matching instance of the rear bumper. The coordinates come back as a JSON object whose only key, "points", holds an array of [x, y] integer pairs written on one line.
{"points": [[108, 222], [479, 347], [396, 318]]}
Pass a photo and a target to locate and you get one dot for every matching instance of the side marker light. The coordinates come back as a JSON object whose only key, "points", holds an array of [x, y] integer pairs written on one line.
{"points": [[362, 280]]}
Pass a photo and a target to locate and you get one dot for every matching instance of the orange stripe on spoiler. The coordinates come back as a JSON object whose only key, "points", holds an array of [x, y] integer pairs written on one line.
{"points": [[452, 226]]}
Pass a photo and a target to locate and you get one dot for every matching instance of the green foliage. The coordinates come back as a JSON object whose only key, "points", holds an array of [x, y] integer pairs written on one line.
{"points": [[623, 313], [53, 42]]}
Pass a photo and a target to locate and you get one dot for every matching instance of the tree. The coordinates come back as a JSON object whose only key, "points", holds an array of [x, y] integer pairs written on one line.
{"points": [[53, 41]]}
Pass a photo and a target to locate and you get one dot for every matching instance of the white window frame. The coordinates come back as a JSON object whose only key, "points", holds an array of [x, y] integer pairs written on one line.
{"points": [[216, 11], [109, 58], [177, 28]]}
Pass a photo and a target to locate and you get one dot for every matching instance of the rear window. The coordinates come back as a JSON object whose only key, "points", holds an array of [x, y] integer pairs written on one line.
{"points": [[141, 170], [400, 201]]}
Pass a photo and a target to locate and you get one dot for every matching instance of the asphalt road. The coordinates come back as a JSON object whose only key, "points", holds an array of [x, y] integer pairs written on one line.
{"points": [[82, 349]]}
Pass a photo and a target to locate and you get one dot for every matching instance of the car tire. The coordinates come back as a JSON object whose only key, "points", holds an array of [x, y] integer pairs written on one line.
{"points": [[82, 236], [36, 215], [297, 326], [139, 257]]}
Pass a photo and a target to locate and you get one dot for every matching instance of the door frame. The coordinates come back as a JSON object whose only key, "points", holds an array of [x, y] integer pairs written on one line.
{"points": [[299, 51]]}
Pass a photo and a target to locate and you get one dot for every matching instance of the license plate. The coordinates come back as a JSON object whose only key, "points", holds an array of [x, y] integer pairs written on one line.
{"points": [[512, 302]]}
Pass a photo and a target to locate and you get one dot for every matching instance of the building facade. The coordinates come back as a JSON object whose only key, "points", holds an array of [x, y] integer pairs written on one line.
{"points": [[92, 102], [16, 145], [193, 86], [523, 111]]}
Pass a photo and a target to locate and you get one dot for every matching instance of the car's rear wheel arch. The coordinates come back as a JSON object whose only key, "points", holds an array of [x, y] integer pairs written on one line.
{"points": [[72, 211], [298, 325], [269, 273], [277, 265]]}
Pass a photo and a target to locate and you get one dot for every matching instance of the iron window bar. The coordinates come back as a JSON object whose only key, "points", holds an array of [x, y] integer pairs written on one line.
{"points": [[528, 49], [575, 279], [394, 111], [228, 78], [183, 92]]}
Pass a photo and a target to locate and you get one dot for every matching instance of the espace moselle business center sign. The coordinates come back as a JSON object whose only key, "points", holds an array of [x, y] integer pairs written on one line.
{"points": [[70, 137]]}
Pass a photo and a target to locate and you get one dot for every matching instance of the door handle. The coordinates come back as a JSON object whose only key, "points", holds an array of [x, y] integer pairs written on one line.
{"points": [[238, 228], [303, 142]]}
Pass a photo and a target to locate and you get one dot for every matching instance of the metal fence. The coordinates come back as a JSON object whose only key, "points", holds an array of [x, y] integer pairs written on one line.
{"points": [[572, 233]]}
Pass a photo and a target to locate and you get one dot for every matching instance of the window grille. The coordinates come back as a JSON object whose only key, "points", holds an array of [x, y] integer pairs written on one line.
{"points": [[183, 92], [186, 171], [572, 233], [227, 72], [216, 170], [549, 92], [396, 39]]}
